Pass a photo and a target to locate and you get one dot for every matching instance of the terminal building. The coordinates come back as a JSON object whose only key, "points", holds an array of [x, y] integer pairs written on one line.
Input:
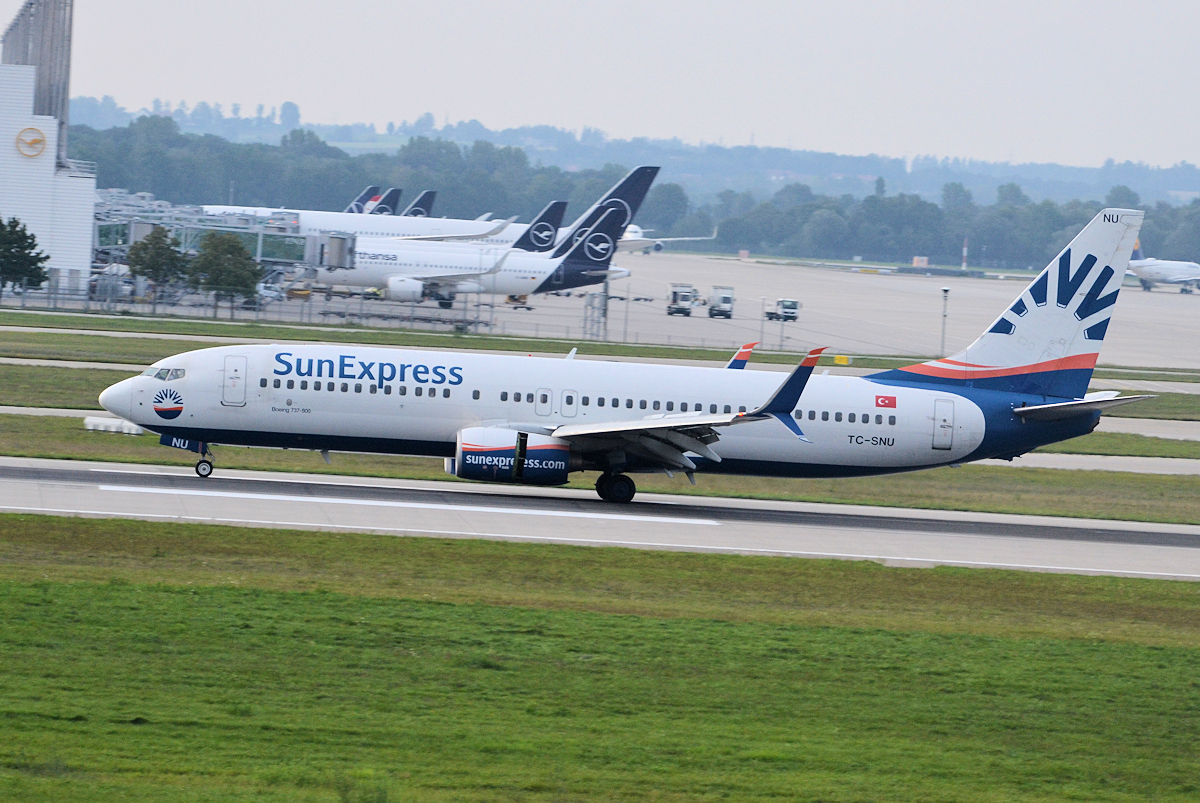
{"points": [[53, 196]]}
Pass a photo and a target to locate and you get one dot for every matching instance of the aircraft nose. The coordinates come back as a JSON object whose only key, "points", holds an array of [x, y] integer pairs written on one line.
{"points": [[117, 398]]}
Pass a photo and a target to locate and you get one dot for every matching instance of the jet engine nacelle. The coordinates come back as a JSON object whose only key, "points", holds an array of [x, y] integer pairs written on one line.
{"points": [[401, 288], [496, 454]]}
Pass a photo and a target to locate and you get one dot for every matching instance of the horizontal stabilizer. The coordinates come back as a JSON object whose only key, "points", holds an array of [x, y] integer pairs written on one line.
{"points": [[1093, 402]]}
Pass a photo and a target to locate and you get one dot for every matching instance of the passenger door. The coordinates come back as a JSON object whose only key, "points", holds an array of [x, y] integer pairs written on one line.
{"points": [[233, 385], [943, 423]]}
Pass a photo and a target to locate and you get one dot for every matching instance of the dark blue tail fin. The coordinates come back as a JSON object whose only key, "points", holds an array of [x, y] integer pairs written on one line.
{"points": [[423, 206], [388, 203], [540, 235], [358, 204], [626, 196]]}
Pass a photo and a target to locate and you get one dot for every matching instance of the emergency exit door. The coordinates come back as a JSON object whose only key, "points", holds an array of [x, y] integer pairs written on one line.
{"points": [[943, 423], [233, 385]]}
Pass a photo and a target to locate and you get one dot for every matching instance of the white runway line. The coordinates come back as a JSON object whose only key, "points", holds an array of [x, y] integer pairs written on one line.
{"points": [[620, 543], [325, 500]]}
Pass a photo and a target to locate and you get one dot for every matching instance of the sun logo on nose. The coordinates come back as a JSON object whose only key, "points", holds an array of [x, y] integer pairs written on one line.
{"points": [[168, 403]]}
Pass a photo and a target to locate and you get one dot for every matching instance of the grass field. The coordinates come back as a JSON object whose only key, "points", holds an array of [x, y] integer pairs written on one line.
{"points": [[143, 661]]}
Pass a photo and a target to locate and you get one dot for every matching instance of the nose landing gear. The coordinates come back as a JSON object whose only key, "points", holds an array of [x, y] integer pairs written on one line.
{"points": [[204, 466]]}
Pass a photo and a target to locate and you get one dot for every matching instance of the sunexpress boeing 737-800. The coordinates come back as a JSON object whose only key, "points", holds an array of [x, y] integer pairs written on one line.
{"points": [[517, 419]]}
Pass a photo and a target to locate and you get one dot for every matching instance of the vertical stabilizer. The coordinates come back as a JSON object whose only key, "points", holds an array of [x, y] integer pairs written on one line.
{"points": [[1048, 340]]}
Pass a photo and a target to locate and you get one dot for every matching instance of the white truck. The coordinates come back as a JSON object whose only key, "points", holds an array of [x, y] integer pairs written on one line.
{"points": [[681, 299], [786, 309], [720, 302]]}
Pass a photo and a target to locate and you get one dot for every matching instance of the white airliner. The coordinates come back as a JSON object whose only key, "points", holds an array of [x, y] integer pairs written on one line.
{"points": [[530, 420], [636, 239], [414, 270], [635, 184], [1163, 271]]}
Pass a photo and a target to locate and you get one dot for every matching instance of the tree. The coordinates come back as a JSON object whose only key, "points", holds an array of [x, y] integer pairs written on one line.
{"points": [[224, 267], [664, 206], [156, 258], [1122, 197], [1011, 195], [20, 260], [289, 115]]}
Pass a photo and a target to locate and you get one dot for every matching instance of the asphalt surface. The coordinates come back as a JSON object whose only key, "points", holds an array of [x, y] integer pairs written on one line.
{"points": [[396, 507]]}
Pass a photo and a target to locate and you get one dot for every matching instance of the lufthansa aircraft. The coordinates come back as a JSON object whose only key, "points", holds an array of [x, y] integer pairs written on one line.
{"points": [[309, 222], [1152, 271], [518, 419]]}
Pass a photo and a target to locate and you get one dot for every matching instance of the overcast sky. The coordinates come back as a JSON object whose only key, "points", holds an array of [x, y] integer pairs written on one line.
{"points": [[1049, 81]]}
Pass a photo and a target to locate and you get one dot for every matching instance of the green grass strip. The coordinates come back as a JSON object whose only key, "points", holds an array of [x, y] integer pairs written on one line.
{"points": [[143, 661]]}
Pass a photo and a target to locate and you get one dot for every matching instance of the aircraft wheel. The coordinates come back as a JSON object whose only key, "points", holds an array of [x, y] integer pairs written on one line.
{"points": [[620, 489], [204, 468], [602, 486]]}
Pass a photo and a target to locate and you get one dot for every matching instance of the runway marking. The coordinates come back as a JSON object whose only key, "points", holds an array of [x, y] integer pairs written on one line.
{"points": [[602, 542], [324, 500]]}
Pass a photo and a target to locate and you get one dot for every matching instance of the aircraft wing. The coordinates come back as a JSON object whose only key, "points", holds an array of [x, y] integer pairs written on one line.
{"points": [[656, 243], [499, 227], [665, 439]]}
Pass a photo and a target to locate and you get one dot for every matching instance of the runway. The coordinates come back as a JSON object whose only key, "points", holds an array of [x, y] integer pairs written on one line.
{"points": [[895, 537]]}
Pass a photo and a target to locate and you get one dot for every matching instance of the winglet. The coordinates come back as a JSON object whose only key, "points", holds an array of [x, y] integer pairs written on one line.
{"points": [[783, 402], [739, 360]]}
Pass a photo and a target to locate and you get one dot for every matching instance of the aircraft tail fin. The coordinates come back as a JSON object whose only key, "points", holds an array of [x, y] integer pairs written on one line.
{"points": [[388, 203], [625, 196], [1137, 249], [422, 206], [1048, 340], [359, 203], [594, 251], [541, 233]]}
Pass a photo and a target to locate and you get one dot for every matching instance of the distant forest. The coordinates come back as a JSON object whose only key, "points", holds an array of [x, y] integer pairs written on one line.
{"points": [[766, 200]]}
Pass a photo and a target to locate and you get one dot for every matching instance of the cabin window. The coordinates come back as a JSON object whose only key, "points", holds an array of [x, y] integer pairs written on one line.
{"points": [[657, 404], [304, 384], [445, 393], [812, 415], [262, 383], [402, 390], [683, 407], [892, 420], [387, 390], [642, 404], [418, 390], [358, 387], [544, 398], [345, 387], [616, 402], [599, 401], [712, 408], [824, 415], [373, 388], [329, 386], [583, 400], [741, 408], [569, 399], [670, 406], [276, 383], [529, 398], [475, 395], [504, 395], [850, 418], [728, 409], [629, 403], [291, 383]]}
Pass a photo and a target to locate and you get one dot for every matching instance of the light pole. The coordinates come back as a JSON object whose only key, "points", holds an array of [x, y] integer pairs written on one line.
{"points": [[945, 310]]}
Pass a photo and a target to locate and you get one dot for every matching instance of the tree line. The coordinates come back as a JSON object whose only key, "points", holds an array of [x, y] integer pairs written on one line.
{"points": [[152, 154]]}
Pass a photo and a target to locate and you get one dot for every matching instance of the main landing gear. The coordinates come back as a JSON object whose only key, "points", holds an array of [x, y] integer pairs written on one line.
{"points": [[615, 488]]}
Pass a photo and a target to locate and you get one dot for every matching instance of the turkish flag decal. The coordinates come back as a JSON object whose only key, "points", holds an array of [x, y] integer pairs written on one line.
{"points": [[885, 401]]}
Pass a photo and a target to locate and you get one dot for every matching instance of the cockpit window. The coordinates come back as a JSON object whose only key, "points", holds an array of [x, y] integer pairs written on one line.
{"points": [[165, 374]]}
